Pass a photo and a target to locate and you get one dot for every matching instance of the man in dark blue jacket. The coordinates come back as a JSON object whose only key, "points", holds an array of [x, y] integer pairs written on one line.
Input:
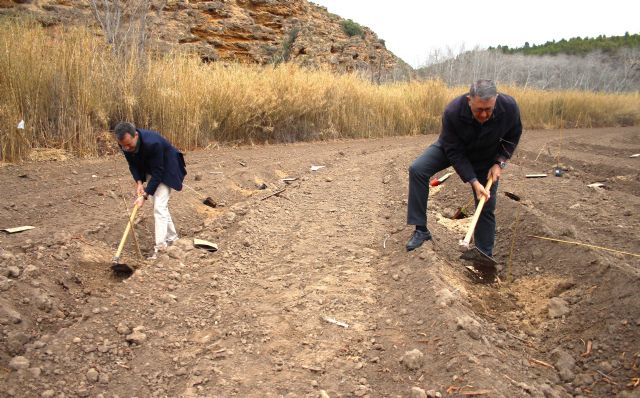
{"points": [[151, 157], [480, 132]]}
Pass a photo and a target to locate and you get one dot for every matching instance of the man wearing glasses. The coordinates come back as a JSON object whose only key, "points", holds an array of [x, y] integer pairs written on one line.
{"points": [[480, 132], [151, 157]]}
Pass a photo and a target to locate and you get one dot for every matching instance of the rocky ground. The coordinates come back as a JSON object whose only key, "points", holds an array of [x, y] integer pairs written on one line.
{"points": [[311, 292]]}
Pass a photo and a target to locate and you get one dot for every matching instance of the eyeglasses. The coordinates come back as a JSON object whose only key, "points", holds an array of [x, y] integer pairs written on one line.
{"points": [[481, 110]]}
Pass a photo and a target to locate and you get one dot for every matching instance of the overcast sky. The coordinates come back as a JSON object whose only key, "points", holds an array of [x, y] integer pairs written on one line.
{"points": [[412, 29]]}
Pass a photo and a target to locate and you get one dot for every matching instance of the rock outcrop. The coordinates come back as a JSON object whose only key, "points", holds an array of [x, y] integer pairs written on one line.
{"points": [[247, 31]]}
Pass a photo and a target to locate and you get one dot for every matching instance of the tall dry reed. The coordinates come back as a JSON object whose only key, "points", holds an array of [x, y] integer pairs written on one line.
{"points": [[70, 89]]}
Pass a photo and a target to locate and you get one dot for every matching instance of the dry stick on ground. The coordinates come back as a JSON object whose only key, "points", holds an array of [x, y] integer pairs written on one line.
{"points": [[589, 347], [476, 393], [538, 362], [585, 244], [86, 204], [539, 153], [527, 342], [275, 193], [606, 378]]}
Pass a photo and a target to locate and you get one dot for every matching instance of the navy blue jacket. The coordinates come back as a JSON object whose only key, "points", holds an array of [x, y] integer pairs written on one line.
{"points": [[158, 158], [472, 147]]}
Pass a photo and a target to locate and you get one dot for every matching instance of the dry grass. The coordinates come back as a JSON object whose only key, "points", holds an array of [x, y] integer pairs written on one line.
{"points": [[70, 89]]}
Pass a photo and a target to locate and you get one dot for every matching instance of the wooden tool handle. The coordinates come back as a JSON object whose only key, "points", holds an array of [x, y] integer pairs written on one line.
{"points": [[126, 230], [476, 215]]}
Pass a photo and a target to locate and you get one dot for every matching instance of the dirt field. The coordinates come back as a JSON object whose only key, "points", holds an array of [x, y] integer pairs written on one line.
{"points": [[250, 319]]}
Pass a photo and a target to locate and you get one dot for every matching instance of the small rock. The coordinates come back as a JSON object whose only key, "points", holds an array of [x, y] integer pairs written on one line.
{"points": [[606, 367], [16, 342], [361, 391], [564, 363], [19, 362], [123, 329], [13, 272], [448, 212], [35, 372], [417, 392], [181, 371], [198, 177], [92, 375], [583, 380], [413, 359], [557, 308], [175, 252], [48, 394], [137, 337], [445, 297], [471, 326], [5, 284]]}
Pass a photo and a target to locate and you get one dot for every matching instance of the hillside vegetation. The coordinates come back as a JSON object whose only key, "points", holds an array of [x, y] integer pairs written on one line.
{"points": [[610, 64], [577, 45], [70, 89]]}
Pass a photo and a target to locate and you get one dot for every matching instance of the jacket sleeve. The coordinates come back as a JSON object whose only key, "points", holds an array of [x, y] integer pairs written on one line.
{"points": [[156, 167], [509, 142], [454, 149], [133, 168]]}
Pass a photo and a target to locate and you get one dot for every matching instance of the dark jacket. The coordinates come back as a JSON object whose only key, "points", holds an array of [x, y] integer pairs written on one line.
{"points": [[472, 147], [158, 158]]}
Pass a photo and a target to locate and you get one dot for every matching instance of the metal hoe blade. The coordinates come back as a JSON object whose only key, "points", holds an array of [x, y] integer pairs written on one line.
{"points": [[478, 258], [121, 269]]}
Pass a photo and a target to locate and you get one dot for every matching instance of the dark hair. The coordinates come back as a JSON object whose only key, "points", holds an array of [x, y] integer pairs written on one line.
{"points": [[123, 128], [483, 88]]}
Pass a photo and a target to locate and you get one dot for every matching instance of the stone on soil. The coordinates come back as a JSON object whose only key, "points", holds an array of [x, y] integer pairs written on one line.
{"points": [[564, 363], [413, 359], [557, 308], [417, 392], [18, 363], [470, 325]]}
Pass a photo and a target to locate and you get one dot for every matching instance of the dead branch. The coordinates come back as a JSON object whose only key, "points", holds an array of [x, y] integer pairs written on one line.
{"points": [[274, 193], [542, 363], [589, 347]]}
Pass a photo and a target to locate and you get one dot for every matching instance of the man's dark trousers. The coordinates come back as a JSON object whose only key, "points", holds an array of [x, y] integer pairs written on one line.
{"points": [[423, 168]]}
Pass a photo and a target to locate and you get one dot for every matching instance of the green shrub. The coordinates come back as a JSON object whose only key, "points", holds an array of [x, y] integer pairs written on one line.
{"points": [[352, 28]]}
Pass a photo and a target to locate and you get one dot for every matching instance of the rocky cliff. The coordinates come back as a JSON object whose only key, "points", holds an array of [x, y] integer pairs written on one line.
{"points": [[248, 31]]}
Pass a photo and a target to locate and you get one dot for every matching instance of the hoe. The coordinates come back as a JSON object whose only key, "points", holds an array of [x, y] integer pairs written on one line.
{"points": [[118, 267], [473, 254]]}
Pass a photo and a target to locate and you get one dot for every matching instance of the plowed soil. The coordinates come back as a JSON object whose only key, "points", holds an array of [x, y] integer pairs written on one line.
{"points": [[311, 292]]}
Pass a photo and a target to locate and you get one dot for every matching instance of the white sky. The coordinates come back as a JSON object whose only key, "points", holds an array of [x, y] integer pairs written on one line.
{"points": [[412, 29]]}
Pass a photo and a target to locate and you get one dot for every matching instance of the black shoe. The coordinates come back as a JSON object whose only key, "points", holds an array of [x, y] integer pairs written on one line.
{"points": [[418, 238]]}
